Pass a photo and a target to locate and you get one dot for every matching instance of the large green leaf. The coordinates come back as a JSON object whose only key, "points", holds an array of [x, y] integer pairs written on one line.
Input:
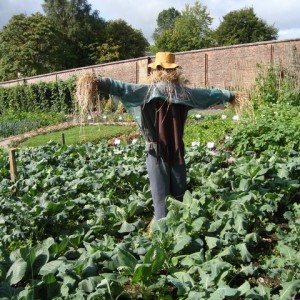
{"points": [[17, 271], [49, 278], [141, 272], [51, 267], [114, 277], [89, 285], [126, 227], [215, 226], [289, 289], [181, 242], [127, 260], [182, 288], [155, 256], [288, 253], [223, 292], [58, 248], [89, 268], [240, 223], [213, 242], [244, 288], [26, 294], [245, 254], [7, 292]]}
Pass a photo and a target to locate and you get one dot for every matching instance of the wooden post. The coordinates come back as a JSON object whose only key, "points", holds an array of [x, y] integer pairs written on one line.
{"points": [[272, 55], [13, 164], [206, 70], [63, 141]]}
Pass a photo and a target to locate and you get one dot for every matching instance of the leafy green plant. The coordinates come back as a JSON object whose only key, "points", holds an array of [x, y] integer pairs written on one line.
{"points": [[40, 97], [273, 129], [276, 84], [208, 127], [74, 223], [18, 123]]}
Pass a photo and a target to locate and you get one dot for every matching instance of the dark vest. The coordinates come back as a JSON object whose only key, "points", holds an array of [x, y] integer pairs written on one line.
{"points": [[163, 124]]}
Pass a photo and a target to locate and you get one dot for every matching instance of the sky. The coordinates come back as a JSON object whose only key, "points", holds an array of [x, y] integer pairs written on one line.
{"points": [[142, 14]]}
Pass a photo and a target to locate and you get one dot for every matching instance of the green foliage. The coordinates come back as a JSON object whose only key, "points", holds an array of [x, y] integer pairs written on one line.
{"points": [[73, 224], [42, 97], [276, 84], [30, 46], [273, 129], [82, 134], [108, 51], [81, 29], [243, 26], [123, 42], [70, 35], [191, 31], [80, 213], [270, 123], [209, 128], [18, 123], [165, 21]]}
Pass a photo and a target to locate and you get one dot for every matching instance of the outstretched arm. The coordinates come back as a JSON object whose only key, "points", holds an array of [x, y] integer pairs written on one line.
{"points": [[130, 94], [204, 98]]}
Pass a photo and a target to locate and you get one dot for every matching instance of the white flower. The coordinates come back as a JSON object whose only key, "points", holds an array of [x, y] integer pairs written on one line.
{"points": [[223, 117], [195, 144], [210, 145], [89, 117], [228, 137], [235, 118], [120, 118], [117, 142], [198, 117], [104, 117], [134, 141]]}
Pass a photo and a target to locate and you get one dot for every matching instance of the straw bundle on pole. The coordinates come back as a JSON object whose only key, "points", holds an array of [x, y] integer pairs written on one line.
{"points": [[86, 94]]}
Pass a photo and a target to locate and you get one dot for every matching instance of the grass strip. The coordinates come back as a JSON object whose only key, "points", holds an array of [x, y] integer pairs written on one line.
{"points": [[80, 134]]}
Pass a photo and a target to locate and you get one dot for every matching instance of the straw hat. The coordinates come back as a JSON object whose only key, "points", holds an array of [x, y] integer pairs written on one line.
{"points": [[164, 59]]}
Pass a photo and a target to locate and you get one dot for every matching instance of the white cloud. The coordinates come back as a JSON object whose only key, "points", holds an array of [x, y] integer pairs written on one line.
{"points": [[291, 33]]}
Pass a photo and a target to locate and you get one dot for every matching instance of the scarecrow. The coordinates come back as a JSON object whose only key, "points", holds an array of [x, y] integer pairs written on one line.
{"points": [[160, 108]]}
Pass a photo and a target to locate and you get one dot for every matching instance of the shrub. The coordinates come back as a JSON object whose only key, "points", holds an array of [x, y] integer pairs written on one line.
{"points": [[277, 84], [42, 97], [274, 128]]}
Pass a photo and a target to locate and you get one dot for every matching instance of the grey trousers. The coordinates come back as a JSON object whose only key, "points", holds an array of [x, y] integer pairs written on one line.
{"points": [[164, 180]]}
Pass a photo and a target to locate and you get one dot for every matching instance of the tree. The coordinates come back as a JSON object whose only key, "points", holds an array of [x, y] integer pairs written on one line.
{"points": [[81, 27], [122, 42], [191, 31], [243, 26], [165, 21], [30, 46], [70, 35], [93, 39]]}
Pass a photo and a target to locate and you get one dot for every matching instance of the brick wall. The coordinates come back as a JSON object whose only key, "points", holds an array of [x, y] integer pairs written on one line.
{"points": [[236, 66], [223, 67]]}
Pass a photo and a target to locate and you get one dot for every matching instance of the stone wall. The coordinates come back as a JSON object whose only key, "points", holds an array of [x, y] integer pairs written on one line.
{"points": [[223, 67]]}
